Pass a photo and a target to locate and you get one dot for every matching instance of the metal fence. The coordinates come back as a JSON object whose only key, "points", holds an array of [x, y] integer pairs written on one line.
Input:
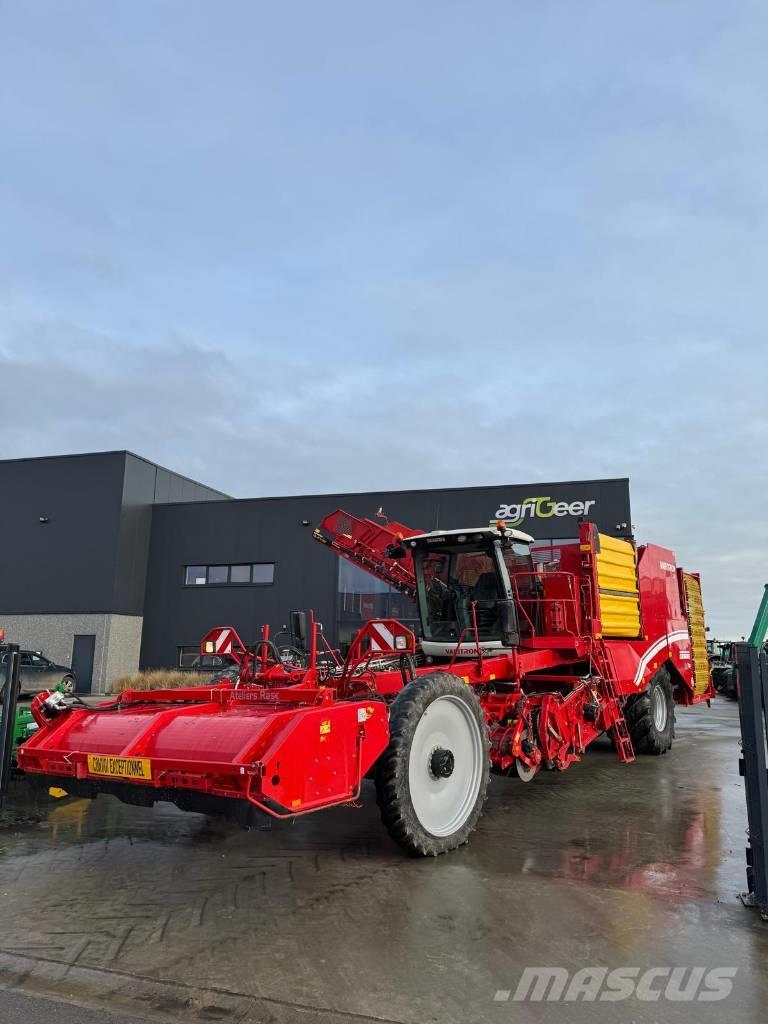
{"points": [[753, 715], [9, 679]]}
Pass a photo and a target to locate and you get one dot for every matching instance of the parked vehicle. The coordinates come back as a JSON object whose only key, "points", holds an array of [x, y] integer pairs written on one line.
{"points": [[519, 668], [209, 663], [213, 668], [722, 665], [36, 673]]}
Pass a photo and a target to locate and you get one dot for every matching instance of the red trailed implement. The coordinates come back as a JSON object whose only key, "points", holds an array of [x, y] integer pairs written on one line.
{"points": [[280, 740]]}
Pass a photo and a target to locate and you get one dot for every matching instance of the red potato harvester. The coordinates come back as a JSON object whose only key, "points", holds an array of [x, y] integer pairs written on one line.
{"points": [[520, 666]]}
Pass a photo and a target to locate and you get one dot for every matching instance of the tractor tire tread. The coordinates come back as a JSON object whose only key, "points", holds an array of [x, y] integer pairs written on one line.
{"points": [[638, 712], [392, 793]]}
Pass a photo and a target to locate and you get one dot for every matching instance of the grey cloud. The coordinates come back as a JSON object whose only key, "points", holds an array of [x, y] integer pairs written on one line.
{"points": [[268, 424]]}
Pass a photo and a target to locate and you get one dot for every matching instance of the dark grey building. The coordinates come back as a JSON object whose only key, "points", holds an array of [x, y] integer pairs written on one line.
{"points": [[74, 545], [145, 562]]}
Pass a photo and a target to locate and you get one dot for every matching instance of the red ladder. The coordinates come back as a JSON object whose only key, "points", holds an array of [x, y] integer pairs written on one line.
{"points": [[602, 661]]}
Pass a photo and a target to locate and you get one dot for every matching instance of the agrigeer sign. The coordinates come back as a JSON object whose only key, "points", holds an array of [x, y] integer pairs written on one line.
{"points": [[543, 507]]}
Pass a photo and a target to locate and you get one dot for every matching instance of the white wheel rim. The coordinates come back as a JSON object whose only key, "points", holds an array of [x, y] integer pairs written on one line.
{"points": [[443, 805], [659, 701]]}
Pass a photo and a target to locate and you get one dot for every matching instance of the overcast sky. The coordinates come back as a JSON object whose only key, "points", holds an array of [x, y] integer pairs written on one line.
{"points": [[292, 247]]}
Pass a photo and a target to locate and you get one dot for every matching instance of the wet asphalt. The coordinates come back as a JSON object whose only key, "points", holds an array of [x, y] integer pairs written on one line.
{"points": [[152, 912], [21, 1008]]}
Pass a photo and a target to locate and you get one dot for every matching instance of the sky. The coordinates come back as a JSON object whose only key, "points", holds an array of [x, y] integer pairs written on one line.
{"points": [[305, 247]]}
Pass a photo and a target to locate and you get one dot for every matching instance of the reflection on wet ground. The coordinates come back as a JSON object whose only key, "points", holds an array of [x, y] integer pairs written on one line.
{"points": [[603, 864]]}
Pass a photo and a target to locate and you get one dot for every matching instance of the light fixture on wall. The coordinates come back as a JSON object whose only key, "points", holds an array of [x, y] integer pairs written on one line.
{"points": [[44, 519]]}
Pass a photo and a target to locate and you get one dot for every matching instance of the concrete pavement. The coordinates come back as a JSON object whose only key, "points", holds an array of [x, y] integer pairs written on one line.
{"points": [[172, 914]]}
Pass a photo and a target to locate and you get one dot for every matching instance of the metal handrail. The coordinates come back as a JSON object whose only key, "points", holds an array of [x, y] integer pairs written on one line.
{"points": [[572, 601], [467, 629]]}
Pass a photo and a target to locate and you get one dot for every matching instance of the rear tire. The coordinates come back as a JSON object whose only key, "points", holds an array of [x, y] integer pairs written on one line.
{"points": [[431, 781], [68, 685], [651, 716]]}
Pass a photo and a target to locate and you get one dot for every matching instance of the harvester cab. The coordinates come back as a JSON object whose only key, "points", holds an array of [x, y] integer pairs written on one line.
{"points": [[467, 588]]}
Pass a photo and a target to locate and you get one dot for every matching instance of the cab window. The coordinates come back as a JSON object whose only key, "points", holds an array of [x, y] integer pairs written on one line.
{"points": [[452, 581]]}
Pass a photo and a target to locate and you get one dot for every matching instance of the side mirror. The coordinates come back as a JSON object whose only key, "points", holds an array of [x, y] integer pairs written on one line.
{"points": [[506, 613], [299, 628]]}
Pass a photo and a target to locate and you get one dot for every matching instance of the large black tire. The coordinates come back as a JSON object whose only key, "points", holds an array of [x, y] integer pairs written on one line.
{"points": [[651, 716], [724, 682], [429, 794]]}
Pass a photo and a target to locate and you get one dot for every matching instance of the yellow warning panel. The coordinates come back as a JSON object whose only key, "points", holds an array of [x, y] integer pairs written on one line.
{"points": [[617, 586], [698, 633], [120, 767]]}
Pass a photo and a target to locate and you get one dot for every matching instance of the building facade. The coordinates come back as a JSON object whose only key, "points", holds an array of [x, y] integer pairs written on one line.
{"points": [[74, 547], [147, 562]]}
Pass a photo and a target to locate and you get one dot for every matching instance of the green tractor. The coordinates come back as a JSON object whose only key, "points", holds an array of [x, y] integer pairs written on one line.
{"points": [[25, 726], [722, 664]]}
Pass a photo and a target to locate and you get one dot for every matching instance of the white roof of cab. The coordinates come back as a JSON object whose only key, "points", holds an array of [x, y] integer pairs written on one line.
{"points": [[488, 530]]}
